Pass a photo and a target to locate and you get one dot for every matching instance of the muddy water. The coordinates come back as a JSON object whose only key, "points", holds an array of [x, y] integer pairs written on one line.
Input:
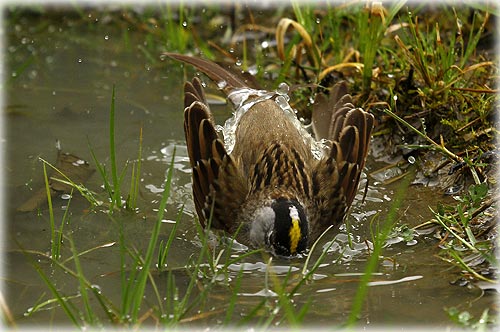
{"points": [[59, 81]]}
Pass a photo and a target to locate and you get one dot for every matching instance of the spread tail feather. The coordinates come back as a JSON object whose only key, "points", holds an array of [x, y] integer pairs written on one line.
{"points": [[222, 77]]}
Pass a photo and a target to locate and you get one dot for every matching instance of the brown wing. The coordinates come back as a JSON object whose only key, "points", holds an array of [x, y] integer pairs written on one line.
{"points": [[218, 187], [336, 177], [323, 106], [350, 146]]}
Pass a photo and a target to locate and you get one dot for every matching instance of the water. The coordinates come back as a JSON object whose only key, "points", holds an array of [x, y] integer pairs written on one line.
{"points": [[245, 98], [59, 83]]}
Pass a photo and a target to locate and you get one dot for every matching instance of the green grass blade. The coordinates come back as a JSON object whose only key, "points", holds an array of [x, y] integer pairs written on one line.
{"points": [[143, 275], [162, 259], [136, 177], [54, 243], [90, 316], [112, 151], [234, 298], [61, 299], [107, 306]]}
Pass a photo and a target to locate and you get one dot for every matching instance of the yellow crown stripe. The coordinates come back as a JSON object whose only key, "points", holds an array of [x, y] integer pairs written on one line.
{"points": [[295, 235]]}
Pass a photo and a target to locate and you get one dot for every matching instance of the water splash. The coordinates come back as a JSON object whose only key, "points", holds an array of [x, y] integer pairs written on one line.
{"points": [[244, 99]]}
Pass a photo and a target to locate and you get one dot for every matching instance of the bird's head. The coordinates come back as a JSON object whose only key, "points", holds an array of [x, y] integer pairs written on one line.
{"points": [[281, 227]]}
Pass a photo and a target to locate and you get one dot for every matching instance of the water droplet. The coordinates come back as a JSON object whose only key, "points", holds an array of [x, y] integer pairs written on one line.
{"points": [[411, 159], [264, 44], [221, 84], [65, 196], [238, 63], [395, 97], [283, 89], [80, 60], [28, 311], [97, 288], [282, 102], [106, 37], [184, 24]]}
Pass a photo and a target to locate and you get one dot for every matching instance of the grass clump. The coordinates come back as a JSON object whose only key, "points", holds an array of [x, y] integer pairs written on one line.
{"points": [[113, 186], [468, 321], [465, 233]]}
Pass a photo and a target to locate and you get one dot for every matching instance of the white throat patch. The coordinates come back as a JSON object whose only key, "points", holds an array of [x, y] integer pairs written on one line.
{"points": [[294, 214]]}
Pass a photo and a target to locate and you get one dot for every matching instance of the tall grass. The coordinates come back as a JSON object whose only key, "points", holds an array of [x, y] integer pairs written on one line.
{"points": [[372, 23], [113, 186], [441, 62], [134, 285], [56, 233], [115, 190], [134, 280], [131, 202], [55, 243]]}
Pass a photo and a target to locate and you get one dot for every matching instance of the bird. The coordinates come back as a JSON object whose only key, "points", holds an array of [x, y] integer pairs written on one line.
{"points": [[272, 184]]}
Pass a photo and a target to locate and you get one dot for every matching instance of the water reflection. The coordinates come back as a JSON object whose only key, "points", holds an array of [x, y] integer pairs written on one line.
{"points": [[262, 267], [392, 282]]}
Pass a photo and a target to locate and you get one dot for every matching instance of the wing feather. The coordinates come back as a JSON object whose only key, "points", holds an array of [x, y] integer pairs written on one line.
{"points": [[218, 187], [337, 175]]}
